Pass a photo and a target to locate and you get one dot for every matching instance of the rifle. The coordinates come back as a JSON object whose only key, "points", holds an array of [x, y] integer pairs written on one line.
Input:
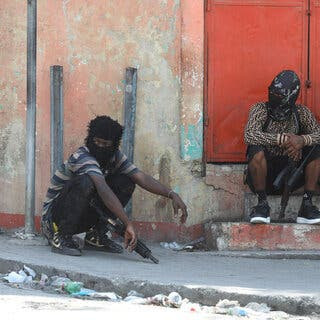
{"points": [[282, 179], [119, 228], [289, 176]]}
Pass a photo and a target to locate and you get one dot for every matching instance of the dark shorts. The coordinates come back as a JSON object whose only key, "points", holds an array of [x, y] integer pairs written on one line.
{"points": [[275, 164], [71, 210]]}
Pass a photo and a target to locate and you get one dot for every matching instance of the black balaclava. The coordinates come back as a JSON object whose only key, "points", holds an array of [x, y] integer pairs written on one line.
{"points": [[108, 129], [283, 94]]}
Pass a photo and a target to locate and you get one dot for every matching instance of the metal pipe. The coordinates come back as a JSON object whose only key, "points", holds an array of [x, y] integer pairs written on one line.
{"points": [[130, 103], [56, 117], [31, 115]]}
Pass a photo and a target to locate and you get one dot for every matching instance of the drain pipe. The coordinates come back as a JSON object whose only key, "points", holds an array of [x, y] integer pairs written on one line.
{"points": [[130, 103], [31, 115], [56, 117]]}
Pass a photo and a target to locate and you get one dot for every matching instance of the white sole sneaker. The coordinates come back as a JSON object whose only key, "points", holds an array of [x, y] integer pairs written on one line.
{"points": [[260, 220], [308, 221]]}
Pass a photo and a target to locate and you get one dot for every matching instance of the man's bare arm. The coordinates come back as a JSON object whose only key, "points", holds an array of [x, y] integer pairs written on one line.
{"points": [[114, 205], [152, 185]]}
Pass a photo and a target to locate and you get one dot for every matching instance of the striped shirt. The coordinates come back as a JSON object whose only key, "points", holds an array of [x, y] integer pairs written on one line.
{"points": [[82, 162], [271, 137]]}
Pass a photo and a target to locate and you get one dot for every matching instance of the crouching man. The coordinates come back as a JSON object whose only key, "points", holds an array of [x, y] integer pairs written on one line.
{"points": [[97, 172], [279, 131]]}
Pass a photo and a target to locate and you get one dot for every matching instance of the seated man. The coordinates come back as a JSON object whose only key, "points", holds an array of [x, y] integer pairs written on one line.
{"points": [[97, 172], [279, 131]]}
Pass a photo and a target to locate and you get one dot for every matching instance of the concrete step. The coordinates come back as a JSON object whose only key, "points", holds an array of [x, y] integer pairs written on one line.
{"points": [[244, 236], [292, 209]]}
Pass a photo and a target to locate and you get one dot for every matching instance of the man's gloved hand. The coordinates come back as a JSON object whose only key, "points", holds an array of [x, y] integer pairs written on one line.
{"points": [[130, 238]]}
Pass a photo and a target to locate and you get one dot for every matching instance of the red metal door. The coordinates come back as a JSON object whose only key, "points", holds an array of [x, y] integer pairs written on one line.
{"points": [[313, 94], [248, 42]]}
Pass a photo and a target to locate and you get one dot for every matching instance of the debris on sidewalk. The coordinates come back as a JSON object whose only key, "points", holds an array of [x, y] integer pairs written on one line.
{"points": [[111, 296], [22, 235], [27, 277], [198, 244], [258, 307]]}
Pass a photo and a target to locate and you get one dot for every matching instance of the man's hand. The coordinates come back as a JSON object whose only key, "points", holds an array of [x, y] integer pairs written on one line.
{"points": [[130, 238], [293, 142], [177, 204], [293, 146]]}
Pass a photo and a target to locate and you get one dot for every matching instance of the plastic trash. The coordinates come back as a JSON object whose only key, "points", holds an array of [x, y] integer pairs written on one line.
{"points": [[44, 280], [174, 300], [136, 300], [171, 245], [29, 271], [258, 307], [227, 304], [158, 299], [59, 281], [84, 292], [236, 311], [72, 286], [135, 294], [14, 277], [107, 295], [23, 274]]}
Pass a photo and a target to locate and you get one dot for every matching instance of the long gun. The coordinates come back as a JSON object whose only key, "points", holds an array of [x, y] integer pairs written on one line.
{"points": [[119, 228], [289, 176], [283, 178]]}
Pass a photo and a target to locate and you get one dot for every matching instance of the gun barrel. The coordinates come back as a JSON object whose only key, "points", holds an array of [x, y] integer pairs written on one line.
{"points": [[295, 176], [152, 258], [120, 229]]}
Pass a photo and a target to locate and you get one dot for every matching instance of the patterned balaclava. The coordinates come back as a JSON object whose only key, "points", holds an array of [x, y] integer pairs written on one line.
{"points": [[283, 94]]}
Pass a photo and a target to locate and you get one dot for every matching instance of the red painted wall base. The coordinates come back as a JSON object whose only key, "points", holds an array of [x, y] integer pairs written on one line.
{"points": [[152, 231]]}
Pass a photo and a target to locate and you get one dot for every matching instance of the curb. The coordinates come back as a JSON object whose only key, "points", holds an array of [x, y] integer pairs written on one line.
{"points": [[280, 255], [292, 304]]}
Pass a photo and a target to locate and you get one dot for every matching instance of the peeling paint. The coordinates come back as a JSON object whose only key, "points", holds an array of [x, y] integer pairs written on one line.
{"points": [[191, 141]]}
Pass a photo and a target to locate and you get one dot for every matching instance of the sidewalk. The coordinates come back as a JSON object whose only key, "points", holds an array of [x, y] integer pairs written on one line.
{"points": [[290, 285]]}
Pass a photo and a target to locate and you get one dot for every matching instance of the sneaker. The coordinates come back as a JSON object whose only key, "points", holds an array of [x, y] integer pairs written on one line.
{"points": [[64, 245], [308, 213], [46, 230], [260, 214], [96, 241]]}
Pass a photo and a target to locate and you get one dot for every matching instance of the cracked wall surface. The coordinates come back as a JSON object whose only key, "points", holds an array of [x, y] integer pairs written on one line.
{"points": [[95, 41]]}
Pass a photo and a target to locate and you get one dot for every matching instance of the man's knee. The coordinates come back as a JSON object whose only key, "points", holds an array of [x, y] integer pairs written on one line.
{"points": [[258, 159], [83, 184]]}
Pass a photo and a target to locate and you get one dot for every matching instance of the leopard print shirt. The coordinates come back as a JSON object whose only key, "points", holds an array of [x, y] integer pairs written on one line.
{"points": [[272, 136]]}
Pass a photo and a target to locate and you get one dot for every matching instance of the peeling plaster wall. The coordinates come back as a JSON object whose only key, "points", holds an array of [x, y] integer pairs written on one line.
{"points": [[95, 41], [12, 105], [192, 57]]}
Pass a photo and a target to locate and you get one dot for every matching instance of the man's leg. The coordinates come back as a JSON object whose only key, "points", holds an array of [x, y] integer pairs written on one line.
{"points": [[309, 213], [70, 214], [257, 179], [97, 237]]}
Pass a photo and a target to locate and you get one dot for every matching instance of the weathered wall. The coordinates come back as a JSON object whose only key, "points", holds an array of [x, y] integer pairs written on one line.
{"points": [[12, 104], [95, 41]]}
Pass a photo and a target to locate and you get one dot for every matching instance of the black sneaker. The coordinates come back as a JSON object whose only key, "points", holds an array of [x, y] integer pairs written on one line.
{"points": [[64, 245], [308, 213], [260, 214], [101, 242], [46, 230]]}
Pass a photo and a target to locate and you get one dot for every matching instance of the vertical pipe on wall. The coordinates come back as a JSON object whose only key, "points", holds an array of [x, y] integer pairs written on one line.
{"points": [[56, 117], [31, 115], [130, 103]]}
